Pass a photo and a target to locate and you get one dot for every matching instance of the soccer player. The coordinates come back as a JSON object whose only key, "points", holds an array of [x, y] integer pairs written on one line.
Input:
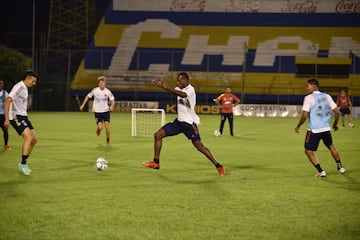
{"points": [[101, 107], [344, 102], [3, 96], [318, 107], [15, 109], [227, 101], [186, 122]]}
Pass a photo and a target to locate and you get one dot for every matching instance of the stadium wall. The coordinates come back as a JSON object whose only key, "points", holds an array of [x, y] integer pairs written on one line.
{"points": [[256, 47]]}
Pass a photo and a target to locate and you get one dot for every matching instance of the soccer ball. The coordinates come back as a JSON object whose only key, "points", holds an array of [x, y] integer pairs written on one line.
{"points": [[217, 133], [100, 164]]}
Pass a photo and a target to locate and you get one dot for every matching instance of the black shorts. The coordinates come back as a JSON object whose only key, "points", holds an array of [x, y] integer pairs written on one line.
{"points": [[20, 123], [190, 130], [226, 116], [312, 140], [345, 111], [102, 117]]}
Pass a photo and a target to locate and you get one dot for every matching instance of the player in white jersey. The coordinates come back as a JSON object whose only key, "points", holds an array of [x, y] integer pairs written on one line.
{"points": [[15, 109], [3, 96], [318, 107], [186, 122], [101, 107]]}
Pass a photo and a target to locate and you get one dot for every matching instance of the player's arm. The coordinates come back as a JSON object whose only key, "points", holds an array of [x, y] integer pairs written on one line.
{"points": [[302, 119], [164, 85], [218, 100], [84, 102], [350, 103], [335, 109], [237, 100], [112, 105], [336, 117], [6, 111]]}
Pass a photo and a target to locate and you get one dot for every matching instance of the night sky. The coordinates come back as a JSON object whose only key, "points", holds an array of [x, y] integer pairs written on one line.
{"points": [[17, 21]]}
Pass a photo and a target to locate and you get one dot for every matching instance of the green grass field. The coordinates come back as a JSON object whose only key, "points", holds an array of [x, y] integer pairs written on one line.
{"points": [[270, 191]]}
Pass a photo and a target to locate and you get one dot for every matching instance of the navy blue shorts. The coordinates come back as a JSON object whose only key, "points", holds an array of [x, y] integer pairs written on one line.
{"points": [[190, 130], [312, 140], [345, 111], [20, 123], [102, 117]]}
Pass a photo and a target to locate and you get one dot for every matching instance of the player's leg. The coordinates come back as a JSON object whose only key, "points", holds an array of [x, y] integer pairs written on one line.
{"points": [[222, 122], [29, 142], [198, 144], [24, 128], [28, 145], [192, 132], [98, 121], [342, 116], [5, 132], [106, 120], [6, 137], [351, 124], [327, 139], [311, 144], [169, 129], [107, 129], [350, 118], [155, 163], [231, 123], [158, 136]]}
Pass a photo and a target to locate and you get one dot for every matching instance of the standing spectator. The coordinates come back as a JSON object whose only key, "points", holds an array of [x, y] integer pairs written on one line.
{"points": [[343, 101], [15, 109], [103, 104], [317, 107], [3, 96], [227, 101]]}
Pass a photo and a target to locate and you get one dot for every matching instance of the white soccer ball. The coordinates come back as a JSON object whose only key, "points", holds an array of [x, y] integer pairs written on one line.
{"points": [[100, 164], [217, 133]]}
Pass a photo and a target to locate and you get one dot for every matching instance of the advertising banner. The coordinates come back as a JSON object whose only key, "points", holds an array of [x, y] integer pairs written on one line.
{"points": [[126, 106], [247, 110], [266, 110]]}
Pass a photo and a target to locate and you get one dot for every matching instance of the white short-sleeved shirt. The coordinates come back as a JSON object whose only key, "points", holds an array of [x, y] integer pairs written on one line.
{"points": [[3, 96], [19, 95], [186, 106], [101, 98], [320, 106]]}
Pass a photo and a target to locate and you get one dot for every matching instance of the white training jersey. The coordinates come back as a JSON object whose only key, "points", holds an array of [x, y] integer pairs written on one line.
{"points": [[186, 106], [19, 95], [101, 98], [3, 96]]}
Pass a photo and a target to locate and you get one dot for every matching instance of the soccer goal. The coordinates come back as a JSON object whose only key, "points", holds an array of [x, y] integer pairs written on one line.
{"points": [[144, 122]]}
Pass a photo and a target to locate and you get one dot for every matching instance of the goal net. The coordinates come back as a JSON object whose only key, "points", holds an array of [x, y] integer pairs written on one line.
{"points": [[144, 122]]}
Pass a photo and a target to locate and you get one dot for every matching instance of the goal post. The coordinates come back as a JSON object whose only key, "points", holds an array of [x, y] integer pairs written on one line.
{"points": [[145, 121]]}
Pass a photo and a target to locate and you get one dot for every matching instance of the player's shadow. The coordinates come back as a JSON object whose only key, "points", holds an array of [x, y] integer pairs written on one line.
{"points": [[352, 183], [239, 137], [104, 146], [182, 180]]}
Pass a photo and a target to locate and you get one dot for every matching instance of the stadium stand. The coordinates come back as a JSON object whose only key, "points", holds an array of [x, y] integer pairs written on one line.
{"points": [[265, 53]]}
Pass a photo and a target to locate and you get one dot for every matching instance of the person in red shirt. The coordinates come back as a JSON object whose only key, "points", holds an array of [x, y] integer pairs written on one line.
{"points": [[227, 101], [344, 103]]}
